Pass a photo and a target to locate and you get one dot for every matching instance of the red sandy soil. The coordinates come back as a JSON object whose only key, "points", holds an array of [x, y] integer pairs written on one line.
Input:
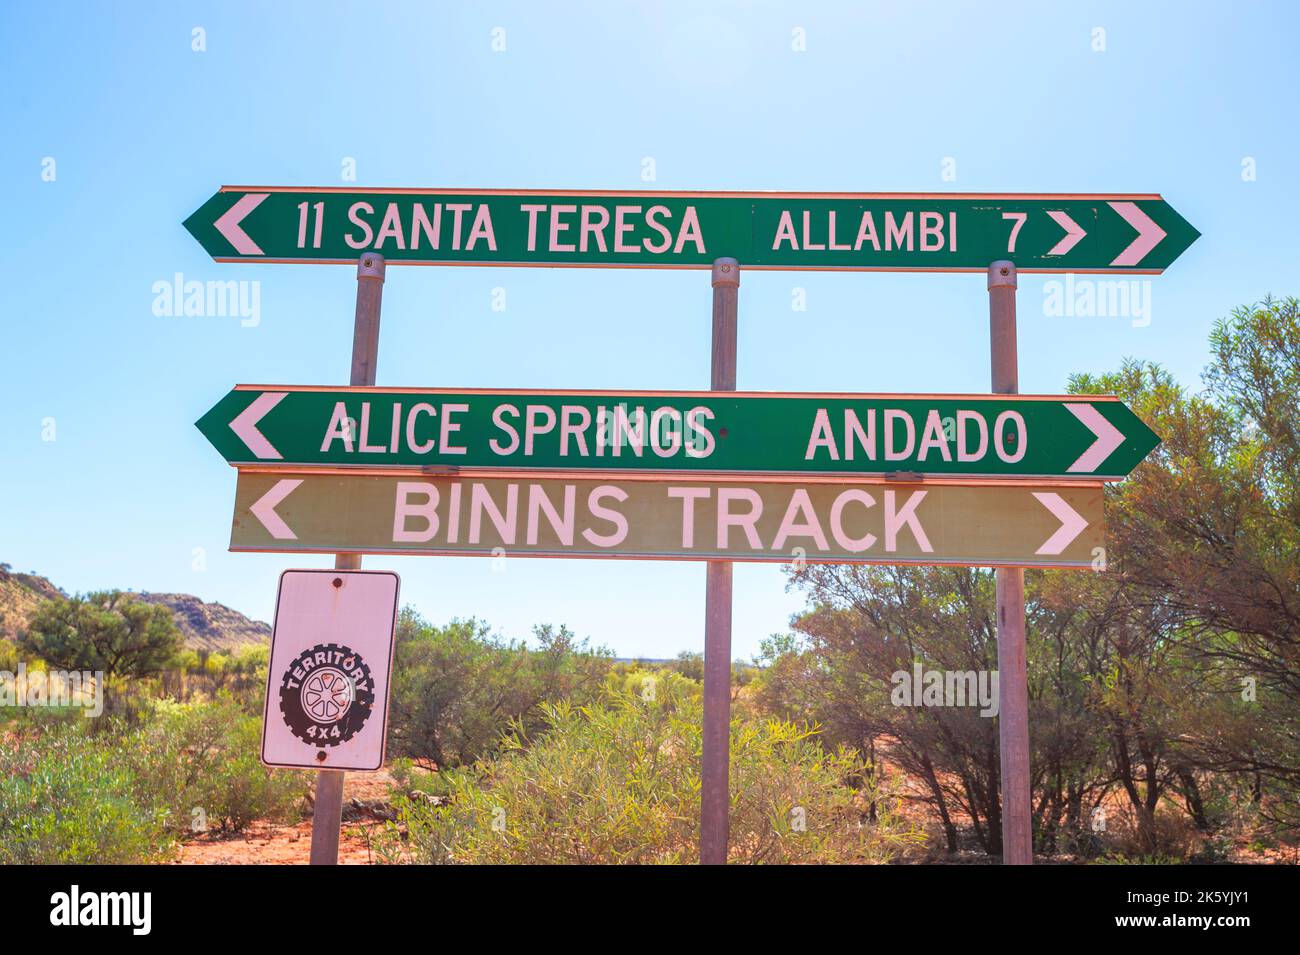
{"points": [[265, 843]]}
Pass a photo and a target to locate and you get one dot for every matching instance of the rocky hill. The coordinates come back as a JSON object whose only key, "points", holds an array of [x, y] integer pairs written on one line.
{"points": [[206, 626], [20, 594], [210, 626]]}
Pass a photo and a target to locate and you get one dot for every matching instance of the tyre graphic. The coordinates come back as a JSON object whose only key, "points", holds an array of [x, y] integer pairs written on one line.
{"points": [[326, 695]]}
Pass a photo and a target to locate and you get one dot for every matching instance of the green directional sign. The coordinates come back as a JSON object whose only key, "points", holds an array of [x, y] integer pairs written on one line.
{"points": [[994, 436], [761, 520], [762, 230]]}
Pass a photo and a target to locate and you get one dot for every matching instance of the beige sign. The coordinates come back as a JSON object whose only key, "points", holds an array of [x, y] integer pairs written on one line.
{"points": [[328, 676], [887, 523]]}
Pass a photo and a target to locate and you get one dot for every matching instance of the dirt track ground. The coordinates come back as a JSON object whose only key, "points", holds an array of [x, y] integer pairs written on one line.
{"points": [[264, 843]]}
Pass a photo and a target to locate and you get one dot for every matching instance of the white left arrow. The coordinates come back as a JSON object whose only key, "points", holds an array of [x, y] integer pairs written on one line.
{"points": [[1149, 235], [1108, 439], [264, 509], [1073, 232], [245, 424], [1072, 523], [228, 223]]}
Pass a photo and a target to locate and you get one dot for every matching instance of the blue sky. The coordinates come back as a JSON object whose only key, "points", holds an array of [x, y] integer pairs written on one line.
{"points": [[142, 129]]}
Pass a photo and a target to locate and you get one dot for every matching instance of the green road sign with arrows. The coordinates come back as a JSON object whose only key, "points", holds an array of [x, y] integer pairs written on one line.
{"points": [[994, 436], [762, 230]]}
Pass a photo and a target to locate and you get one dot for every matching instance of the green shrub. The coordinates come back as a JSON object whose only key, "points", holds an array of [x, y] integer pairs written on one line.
{"points": [[689, 664], [110, 630], [646, 684], [10, 655], [201, 761], [618, 782], [105, 791], [66, 798], [411, 778], [19, 723], [241, 790], [240, 672], [457, 689]]}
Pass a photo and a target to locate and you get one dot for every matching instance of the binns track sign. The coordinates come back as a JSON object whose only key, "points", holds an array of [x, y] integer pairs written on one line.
{"points": [[887, 522]]}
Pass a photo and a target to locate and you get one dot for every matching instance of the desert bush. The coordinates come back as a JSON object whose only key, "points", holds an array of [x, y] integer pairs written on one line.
{"points": [[128, 702], [410, 778], [10, 655], [26, 723], [457, 688], [618, 782], [203, 674], [689, 664], [1170, 837], [241, 790], [65, 797], [647, 682], [200, 760], [111, 791], [110, 631]]}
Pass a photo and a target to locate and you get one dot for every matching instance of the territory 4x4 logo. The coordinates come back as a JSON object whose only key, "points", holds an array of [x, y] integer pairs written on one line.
{"points": [[326, 695]]}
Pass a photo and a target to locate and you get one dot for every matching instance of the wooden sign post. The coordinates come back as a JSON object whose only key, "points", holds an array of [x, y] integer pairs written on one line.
{"points": [[327, 810], [1013, 713], [715, 793]]}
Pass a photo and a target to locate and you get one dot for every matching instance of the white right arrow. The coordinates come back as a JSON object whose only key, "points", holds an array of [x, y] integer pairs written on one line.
{"points": [[1109, 438], [1072, 524], [1073, 232], [1149, 235], [245, 424], [264, 509], [228, 223]]}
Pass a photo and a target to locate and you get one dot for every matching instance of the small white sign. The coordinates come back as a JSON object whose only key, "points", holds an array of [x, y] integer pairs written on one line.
{"points": [[331, 664]]}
